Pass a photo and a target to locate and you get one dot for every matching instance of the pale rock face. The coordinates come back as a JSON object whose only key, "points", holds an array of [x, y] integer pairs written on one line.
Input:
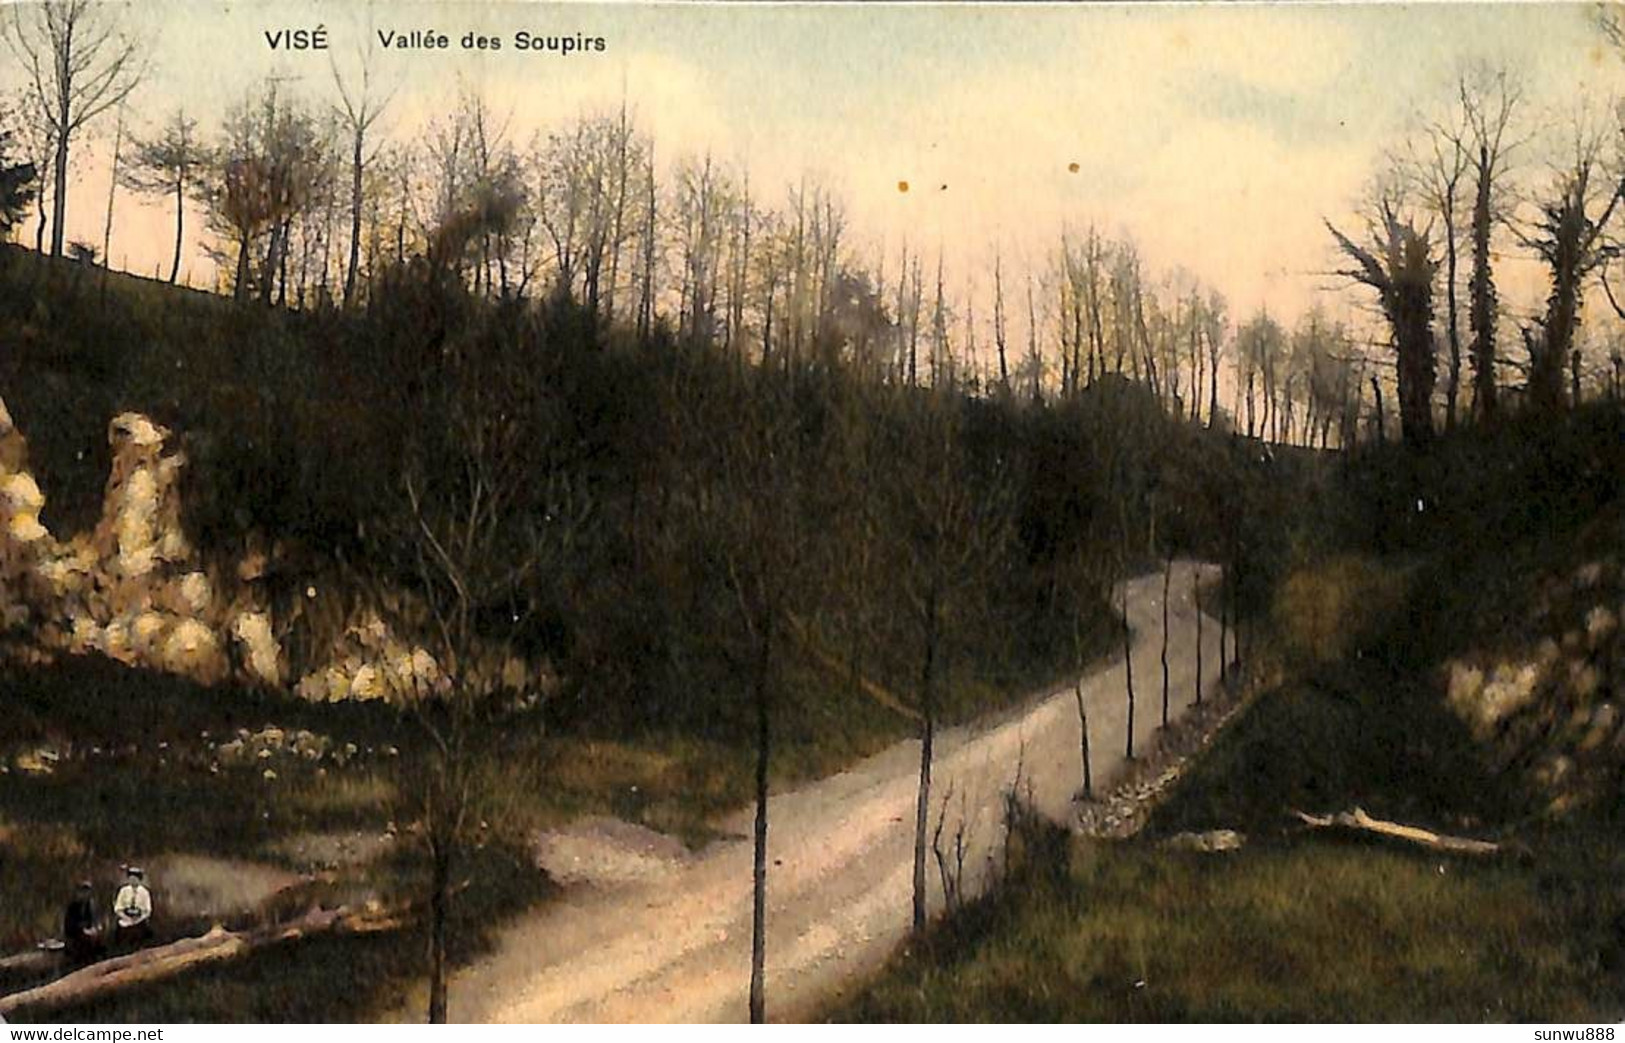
{"points": [[147, 631], [372, 632], [1600, 623], [24, 542], [262, 657], [368, 683], [135, 525], [115, 642], [130, 589], [338, 684], [1588, 575], [371, 662], [22, 503], [1583, 679], [85, 637], [196, 592], [426, 671], [138, 429], [25, 528], [194, 650], [1465, 683], [1484, 704]]}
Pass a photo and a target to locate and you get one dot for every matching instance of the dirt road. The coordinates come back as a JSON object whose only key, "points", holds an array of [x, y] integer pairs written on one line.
{"points": [[677, 949]]}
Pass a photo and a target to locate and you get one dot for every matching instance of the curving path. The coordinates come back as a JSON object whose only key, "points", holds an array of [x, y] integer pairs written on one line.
{"points": [[840, 860]]}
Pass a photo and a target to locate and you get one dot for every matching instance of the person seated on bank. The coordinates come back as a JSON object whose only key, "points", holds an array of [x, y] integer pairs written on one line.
{"points": [[81, 935], [132, 911]]}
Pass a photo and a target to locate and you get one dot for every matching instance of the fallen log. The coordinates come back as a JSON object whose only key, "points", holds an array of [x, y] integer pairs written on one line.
{"points": [[166, 961], [1359, 821]]}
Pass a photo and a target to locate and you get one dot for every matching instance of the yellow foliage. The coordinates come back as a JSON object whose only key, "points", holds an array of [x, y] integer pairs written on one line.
{"points": [[1323, 611]]}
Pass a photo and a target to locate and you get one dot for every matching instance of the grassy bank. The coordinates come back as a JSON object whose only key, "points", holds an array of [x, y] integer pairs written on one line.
{"points": [[1294, 927]]}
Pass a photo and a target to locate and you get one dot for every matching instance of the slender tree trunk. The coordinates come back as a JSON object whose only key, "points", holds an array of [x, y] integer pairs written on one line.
{"points": [[1482, 316], [439, 908], [240, 289], [180, 229], [1196, 603], [1235, 615], [1382, 421], [922, 807], [1453, 382], [1083, 740], [112, 191], [1128, 675], [59, 173], [1213, 383], [1167, 581], [1224, 623], [355, 214], [758, 919]]}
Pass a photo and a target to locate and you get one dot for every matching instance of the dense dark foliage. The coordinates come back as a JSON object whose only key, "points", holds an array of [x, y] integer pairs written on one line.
{"points": [[294, 425]]}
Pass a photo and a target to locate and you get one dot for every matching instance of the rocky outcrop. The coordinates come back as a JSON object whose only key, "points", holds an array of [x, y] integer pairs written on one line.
{"points": [[23, 539], [1549, 703], [134, 589], [129, 589]]}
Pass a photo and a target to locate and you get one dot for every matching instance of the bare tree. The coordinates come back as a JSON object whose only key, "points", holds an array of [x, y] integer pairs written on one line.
{"points": [[1489, 101], [1196, 605], [264, 174], [166, 165], [478, 515], [1436, 166], [34, 142], [1399, 265], [1213, 330], [1167, 581], [112, 191], [1261, 346], [999, 322], [949, 531], [79, 62], [1568, 235], [360, 107], [761, 540], [1128, 668]]}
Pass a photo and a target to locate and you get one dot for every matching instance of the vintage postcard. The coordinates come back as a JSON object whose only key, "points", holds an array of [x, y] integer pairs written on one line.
{"points": [[932, 512]]}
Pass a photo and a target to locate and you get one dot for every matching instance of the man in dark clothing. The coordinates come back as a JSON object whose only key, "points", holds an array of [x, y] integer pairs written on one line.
{"points": [[80, 935]]}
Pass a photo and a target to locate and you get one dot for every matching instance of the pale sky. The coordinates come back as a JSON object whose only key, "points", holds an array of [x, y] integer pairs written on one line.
{"points": [[1217, 137]]}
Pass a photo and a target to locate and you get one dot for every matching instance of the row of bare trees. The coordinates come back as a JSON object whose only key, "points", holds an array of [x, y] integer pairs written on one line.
{"points": [[1449, 192], [306, 205]]}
